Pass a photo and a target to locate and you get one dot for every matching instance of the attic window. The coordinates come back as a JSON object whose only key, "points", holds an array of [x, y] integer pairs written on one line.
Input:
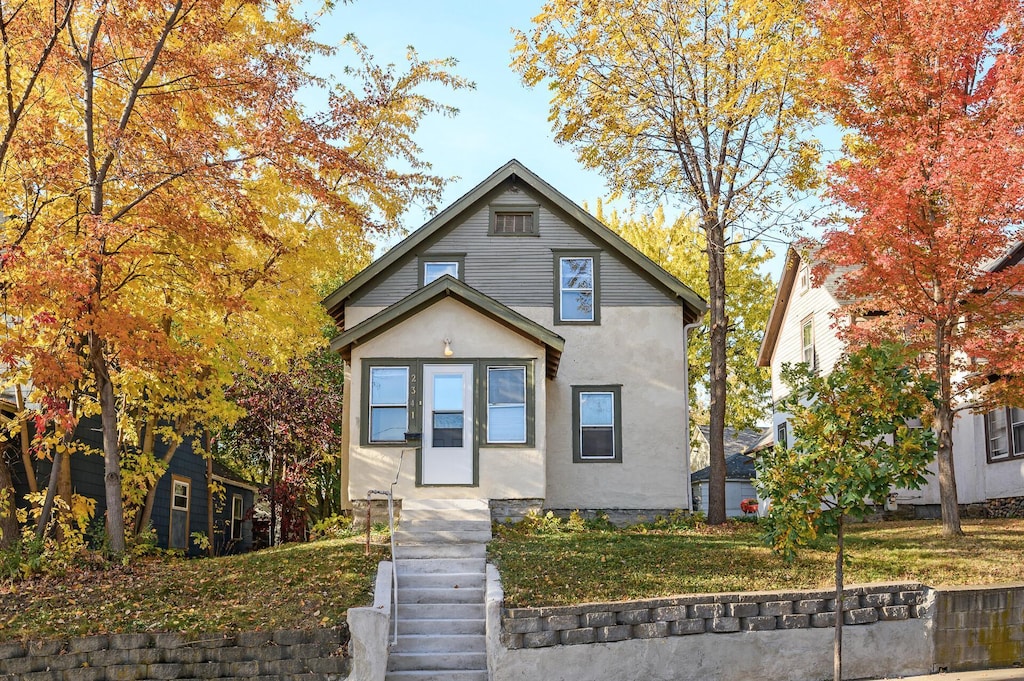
{"points": [[513, 223], [515, 220], [805, 279]]}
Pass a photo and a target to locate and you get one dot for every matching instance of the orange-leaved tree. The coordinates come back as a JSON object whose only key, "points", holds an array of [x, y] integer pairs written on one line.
{"points": [[171, 206], [933, 94]]}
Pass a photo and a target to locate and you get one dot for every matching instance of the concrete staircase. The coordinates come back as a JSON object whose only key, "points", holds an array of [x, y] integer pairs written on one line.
{"points": [[440, 556]]}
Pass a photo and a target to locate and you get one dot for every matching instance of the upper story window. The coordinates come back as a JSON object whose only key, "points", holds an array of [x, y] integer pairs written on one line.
{"points": [[514, 220], [577, 296], [1004, 434], [782, 435], [807, 342], [433, 266], [436, 270], [804, 278]]}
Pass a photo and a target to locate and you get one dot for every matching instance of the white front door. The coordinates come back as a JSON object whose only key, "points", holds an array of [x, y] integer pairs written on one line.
{"points": [[447, 457]]}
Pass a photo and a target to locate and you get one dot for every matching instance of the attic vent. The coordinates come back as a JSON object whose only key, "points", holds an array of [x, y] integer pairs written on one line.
{"points": [[507, 222]]}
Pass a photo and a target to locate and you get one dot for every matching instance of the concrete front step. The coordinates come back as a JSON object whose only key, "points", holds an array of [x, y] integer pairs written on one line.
{"points": [[445, 504], [440, 595], [439, 550], [418, 524], [438, 643], [436, 661], [443, 580], [438, 566], [449, 675], [434, 611], [404, 536], [440, 627]]}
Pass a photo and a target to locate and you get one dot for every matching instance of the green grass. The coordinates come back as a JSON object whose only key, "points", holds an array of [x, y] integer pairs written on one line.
{"points": [[293, 586], [560, 568]]}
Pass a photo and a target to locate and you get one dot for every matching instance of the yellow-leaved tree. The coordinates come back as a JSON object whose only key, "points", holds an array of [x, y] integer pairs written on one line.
{"points": [[172, 209], [699, 102]]}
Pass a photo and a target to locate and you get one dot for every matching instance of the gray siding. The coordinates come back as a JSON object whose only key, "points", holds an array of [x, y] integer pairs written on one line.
{"points": [[516, 270]]}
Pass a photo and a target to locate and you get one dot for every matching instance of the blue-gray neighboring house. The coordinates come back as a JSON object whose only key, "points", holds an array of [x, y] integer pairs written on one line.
{"points": [[740, 447], [182, 499]]}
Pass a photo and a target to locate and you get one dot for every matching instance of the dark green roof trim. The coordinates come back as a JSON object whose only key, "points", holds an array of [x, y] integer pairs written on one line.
{"points": [[448, 287], [696, 306]]}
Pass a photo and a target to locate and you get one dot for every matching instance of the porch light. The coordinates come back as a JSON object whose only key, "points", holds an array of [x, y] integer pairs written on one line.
{"points": [[448, 352]]}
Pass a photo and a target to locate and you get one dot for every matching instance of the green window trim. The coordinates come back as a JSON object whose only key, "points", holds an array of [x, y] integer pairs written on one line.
{"points": [[558, 256], [499, 208], [421, 264], [578, 391], [415, 401]]}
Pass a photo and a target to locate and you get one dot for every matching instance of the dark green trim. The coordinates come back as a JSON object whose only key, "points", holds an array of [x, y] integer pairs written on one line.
{"points": [[531, 403], [694, 305], [414, 401], [421, 261], [435, 291], [478, 430], [513, 208], [556, 277], [616, 391]]}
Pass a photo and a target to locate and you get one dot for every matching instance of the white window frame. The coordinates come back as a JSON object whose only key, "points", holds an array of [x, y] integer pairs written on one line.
{"points": [[187, 484], [807, 354], [427, 264], [387, 405], [1012, 452], [499, 405], [237, 504], [562, 289]]}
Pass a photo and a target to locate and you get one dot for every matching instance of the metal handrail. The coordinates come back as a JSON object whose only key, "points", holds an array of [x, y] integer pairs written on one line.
{"points": [[390, 494]]}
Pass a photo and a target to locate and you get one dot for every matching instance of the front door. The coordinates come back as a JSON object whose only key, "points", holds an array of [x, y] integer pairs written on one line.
{"points": [[447, 457]]}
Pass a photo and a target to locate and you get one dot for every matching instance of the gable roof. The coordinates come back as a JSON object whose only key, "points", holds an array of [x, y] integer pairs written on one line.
{"points": [[449, 287], [694, 305], [743, 441], [737, 467]]}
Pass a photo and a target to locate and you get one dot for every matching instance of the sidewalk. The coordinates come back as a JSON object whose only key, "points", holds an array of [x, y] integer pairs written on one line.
{"points": [[1012, 674]]}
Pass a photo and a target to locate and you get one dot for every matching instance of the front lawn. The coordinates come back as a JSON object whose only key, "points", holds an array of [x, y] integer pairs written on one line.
{"points": [[290, 587], [560, 567]]}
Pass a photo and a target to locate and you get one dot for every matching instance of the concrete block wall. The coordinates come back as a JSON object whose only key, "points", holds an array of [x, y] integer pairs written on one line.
{"points": [[708, 614], [287, 655], [979, 628]]}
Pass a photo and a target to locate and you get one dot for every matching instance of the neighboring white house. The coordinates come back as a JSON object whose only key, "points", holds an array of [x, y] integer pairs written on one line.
{"points": [[988, 449], [516, 349], [740, 449]]}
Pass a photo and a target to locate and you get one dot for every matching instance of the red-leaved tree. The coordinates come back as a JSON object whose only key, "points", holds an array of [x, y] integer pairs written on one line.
{"points": [[931, 184]]}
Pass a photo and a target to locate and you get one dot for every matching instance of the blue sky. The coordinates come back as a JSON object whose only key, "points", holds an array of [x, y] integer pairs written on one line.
{"points": [[501, 119]]}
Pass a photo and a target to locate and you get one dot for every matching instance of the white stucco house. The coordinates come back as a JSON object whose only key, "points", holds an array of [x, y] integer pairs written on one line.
{"points": [[804, 325], [515, 349]]}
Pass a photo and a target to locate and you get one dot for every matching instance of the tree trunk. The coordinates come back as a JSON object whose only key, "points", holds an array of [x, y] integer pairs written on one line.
{"points": [[147, 509], [837, 645], [8, 518], [26, 453], [719, 325], [944, 431], [51, 492], [111, 453], [209, 505]]}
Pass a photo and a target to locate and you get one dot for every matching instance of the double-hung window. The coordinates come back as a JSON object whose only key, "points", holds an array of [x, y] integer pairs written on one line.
{"points": [[389, 403], [236, 516], [576, 288], [1004, 434], [807, 342], [597, 423], [782, 436], [506, 405]]}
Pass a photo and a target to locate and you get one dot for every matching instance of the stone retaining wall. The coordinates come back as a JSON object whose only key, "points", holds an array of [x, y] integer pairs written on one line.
{"points": [[709, 613], [290, 655], [979, 627]]}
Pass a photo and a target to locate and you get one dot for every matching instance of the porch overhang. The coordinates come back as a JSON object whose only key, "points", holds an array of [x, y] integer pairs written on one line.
{"points": [[449, 287]]}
